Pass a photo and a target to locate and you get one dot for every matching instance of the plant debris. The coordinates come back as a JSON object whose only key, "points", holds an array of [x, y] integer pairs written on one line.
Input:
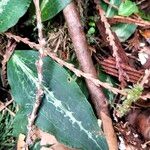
{"points": [[115, 36]]}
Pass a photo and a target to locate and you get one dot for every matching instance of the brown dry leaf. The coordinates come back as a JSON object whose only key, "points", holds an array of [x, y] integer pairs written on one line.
{"points": [[48, 139], [130, 147], [21, 142], [146, 35]]}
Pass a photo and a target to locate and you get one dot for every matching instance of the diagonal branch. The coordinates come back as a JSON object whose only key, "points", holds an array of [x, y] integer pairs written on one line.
{"points": [[71, 67], [39, 65], [111, 40], [129, 20], [78, 72], [83, 54]]}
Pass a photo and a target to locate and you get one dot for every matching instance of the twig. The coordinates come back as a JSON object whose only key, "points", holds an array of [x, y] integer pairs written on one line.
{"points": [[39, 65], [83, 54], [145, 78], [4, 105], [78, 72], [129, 20], [112, 43], [112, 5], [10, 112], [104, 36], [9, 50], [138, 3]]}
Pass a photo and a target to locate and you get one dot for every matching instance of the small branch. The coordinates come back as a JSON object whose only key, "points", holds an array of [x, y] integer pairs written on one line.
{"points": [[109, 3], [145, 78], [39, 65], [104, 36], [83, 54], [111, 40], [129, 20], [78, 72], [9, 51], [10, 112], [4, 105]]}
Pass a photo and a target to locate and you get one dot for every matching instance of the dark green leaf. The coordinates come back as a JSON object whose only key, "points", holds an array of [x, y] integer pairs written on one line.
{"points": [[122, 30], [109, 79], [110, 11], [36, 146], [11, 11], [144, 15], [65, 112], [50, 8]]}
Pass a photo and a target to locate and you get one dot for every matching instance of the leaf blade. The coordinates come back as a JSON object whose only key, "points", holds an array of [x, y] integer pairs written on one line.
{"points": [[122, 30], [69, 117], [127, 8], [11, 11], [50, 8]]}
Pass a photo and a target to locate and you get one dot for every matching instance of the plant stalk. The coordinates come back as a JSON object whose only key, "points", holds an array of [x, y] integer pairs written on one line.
{"points": [[84, 57]]}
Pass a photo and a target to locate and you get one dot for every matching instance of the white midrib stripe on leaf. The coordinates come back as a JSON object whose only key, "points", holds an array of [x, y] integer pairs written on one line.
{"points": [[44, 3], [57, 103], [3, 3], [109, 8]]}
